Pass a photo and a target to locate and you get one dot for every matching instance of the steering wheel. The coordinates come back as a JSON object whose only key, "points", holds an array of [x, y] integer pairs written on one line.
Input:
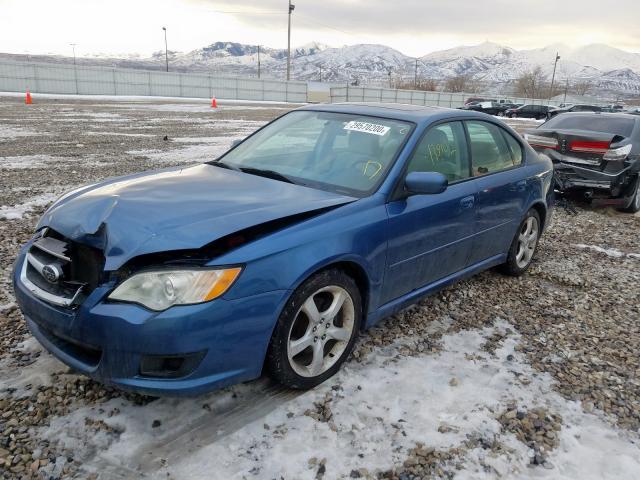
{"points": [[367, 168]]}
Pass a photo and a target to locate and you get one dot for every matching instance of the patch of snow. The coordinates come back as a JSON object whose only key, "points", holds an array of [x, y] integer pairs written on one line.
{"points": [[122, 134], [7, 306], [381, 409], [24, 379], [27, 161], [610, 252], [8, 132], [16, 212], [214, 147], [76, 113]]}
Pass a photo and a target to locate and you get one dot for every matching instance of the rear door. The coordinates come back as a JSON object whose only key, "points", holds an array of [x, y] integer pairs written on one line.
{"points": [[496, 158], [430, 236], [527, 111]]}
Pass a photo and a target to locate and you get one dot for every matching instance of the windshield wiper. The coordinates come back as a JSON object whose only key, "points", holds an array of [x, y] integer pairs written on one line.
{"points": [[225, 165], [267, 173]]}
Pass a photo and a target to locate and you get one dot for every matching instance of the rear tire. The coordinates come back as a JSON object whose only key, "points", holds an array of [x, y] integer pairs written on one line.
{"points": [[524, 245], [316, 330], [634, 207]]}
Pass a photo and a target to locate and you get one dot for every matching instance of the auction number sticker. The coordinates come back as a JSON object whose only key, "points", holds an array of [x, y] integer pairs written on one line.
{"points": [[365, 127]]}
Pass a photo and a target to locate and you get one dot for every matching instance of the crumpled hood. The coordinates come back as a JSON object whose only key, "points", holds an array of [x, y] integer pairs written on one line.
{"points": [[176, 209]]}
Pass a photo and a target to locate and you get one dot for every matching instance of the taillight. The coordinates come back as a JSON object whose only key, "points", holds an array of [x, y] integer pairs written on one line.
{"points": [[540, 141], [589, 146], [617, 153]]}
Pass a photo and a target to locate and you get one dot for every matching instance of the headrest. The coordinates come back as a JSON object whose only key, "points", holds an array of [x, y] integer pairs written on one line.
{"points": [[436, 137]]}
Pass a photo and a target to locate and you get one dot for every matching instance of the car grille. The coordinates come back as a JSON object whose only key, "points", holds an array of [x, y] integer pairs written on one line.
{"points": [[60, 271]]}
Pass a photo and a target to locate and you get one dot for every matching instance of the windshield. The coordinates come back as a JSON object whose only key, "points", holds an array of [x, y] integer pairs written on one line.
{"points": [[333, 151], [592, 123]]}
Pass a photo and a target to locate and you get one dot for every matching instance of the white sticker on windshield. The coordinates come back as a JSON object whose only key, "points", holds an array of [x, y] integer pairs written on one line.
{"points": [[365, 127]]}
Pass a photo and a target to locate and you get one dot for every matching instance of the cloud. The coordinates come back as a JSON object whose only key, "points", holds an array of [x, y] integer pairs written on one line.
{"points": [[520, 23], [415, 27]]}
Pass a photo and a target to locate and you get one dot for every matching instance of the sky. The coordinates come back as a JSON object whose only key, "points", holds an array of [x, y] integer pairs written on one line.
{"points": [[414, 27]]}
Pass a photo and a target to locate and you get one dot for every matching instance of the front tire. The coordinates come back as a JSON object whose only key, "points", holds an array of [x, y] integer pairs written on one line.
{"points": [[524, 245], [316, 330]]}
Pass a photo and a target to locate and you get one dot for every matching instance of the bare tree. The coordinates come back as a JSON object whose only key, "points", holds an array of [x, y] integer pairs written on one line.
{"points": [[459, 83], [426, 84], [582, 87], [532, 84]]}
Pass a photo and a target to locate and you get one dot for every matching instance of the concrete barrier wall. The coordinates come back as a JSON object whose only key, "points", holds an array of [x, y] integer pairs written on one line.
{"points": [[348, 93], [82, 80]]}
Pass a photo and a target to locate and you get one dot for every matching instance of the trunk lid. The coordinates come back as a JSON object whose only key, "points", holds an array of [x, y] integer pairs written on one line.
{"points": [[574, 146]]}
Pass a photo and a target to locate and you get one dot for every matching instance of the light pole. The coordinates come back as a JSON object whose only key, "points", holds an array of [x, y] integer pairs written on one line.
{"points": [[166, 50], [291, 9], [73, 45], [553, 77], [258, 61]]}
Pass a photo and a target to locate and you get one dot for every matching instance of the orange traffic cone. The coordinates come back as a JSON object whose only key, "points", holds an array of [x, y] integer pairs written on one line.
{"points": [[214, 104], [28, 100]]}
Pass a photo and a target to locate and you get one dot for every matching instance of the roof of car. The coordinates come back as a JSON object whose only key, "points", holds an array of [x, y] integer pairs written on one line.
{"points": [[396, 111]]}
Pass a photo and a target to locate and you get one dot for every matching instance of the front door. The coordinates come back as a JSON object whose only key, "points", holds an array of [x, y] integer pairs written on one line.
{"points": [[430, 236]]}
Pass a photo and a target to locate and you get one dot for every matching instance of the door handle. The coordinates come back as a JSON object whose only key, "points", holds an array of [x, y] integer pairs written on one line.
{"points": [[518, 186], [468, 202]]}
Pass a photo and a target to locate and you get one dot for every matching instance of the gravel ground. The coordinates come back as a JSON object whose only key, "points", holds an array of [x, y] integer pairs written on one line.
{"points": [[572, 321]]}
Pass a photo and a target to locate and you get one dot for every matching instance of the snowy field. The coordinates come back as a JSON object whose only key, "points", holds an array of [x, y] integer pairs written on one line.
{"points": [[530, 378]]}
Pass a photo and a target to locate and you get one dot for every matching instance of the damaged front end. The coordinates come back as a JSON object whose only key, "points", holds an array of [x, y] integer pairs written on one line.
{"points": [[127, 281]]}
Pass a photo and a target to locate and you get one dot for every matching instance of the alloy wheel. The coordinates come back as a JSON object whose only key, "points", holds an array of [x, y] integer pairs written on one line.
{"points": [[320, 331], [527, 241]]}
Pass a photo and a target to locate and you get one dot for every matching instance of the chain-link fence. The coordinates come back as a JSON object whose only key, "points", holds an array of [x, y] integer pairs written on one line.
{"points": [[82, 80]]}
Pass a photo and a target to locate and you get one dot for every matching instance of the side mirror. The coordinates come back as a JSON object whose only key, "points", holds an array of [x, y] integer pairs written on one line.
{"points": [[426, 183], [235, 143]]}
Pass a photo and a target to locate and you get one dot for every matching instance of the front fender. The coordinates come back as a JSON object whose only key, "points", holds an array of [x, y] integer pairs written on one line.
{"points": [[355, 233]]}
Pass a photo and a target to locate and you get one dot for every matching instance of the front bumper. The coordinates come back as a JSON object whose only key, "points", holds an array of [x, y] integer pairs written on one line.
{"points": [[107, 341]]}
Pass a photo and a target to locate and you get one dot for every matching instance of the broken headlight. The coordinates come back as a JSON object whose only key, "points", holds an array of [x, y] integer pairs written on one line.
{"points": [[159, 290]]}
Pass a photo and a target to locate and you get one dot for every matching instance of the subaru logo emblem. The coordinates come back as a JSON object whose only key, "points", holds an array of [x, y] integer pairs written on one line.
{"points": [[51, 273]]}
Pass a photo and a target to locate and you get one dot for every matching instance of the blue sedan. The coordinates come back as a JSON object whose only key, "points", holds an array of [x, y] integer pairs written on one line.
{"points": [[275, 256]]}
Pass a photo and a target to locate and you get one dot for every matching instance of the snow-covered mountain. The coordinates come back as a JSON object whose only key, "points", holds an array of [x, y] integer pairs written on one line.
{"points": [[608, 69]]}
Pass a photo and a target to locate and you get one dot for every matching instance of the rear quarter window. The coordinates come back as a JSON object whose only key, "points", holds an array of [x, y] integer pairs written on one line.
{"points": [[514, 147]]}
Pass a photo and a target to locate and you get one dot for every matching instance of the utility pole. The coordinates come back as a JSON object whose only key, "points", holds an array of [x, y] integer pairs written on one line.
{"points": [[566, 87], [415, 76], [389, 73], [291, 9], [320, 66], [73, 45], [166, 50], [553, 77], [258, 61], [75, 68]]}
